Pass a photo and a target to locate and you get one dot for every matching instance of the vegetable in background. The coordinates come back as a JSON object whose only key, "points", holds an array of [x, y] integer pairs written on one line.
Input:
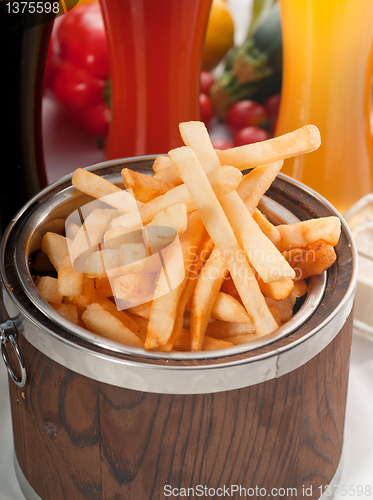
{"points": [[254, 69], [81, 68]]}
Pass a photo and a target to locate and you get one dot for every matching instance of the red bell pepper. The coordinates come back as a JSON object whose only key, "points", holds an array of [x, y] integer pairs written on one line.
{"points": [[80, 63]]}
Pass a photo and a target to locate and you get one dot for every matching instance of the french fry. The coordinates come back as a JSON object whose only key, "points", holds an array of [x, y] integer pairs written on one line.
{"points": [[300, 288], [277, 290], [55, 246], [161, 163], [227, 308], [88, 294], [301, 234], [164, 307], [302, 140], [196, 264], [48, 289], [142, 310], [174, 217], [68, 311], [98, 187], [225, 329], [241, 339], [103, 323], [103, 287], [70, 281], [119, 235], [256, 183], [261, 252], [223, 179], [316, 258], [205, 294], [209, 343], [267, 228], [134, 286], [89, 236], [122, 316], [221, 233], [169, 175], [144, 187], [283, 307]]}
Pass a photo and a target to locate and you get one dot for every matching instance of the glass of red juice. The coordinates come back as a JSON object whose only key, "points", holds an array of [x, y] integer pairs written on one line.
{"points": [[155, 60]]}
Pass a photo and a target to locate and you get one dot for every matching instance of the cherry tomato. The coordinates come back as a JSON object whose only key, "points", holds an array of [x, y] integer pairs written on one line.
{"points": [[221, 144], [206, 82], [272, 105], [95, 120], [245, 113], [248, 135], [205, 108], [82, 40], [75, 88]]}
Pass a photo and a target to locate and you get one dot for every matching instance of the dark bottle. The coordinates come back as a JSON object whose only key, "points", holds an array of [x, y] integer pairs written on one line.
{"points": [[24, 43]]}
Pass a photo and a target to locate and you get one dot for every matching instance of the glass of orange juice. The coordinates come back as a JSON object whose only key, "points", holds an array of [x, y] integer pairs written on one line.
{"points": [[155, 60], [327, 82]]}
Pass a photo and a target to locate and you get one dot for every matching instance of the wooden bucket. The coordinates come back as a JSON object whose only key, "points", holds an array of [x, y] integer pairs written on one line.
{"points": [[94, 421]]}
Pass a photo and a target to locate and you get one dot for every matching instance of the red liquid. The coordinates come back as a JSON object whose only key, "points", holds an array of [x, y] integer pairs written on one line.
{"points": [[155, 58]]}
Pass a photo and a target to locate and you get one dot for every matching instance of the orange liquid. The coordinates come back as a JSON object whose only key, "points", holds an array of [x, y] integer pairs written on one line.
{"points": [[327, 82], [155, 57]]}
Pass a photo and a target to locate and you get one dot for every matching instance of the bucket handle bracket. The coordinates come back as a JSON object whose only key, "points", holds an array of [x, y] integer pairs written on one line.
{"points": [[8, 333]]}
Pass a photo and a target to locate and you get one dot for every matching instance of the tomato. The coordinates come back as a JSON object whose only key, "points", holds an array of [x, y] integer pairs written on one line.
{"points": [[75, 88], [244, 114], [272, 105], [248, 135], [95, 120], [221, 144], [205, 108], [82, 40], [206, 82]]}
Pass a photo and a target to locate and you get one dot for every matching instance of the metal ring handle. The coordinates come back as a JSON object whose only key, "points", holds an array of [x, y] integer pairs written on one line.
{"points": [[8, 333]]}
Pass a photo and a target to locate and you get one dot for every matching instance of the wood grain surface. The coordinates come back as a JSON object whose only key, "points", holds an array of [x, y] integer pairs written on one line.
{"points": [[76, 438]]}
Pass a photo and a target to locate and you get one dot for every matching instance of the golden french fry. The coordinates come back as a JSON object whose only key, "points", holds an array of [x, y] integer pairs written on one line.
{"points": [[225, 329], [223, 179], [283, 307], [161, 163], [227, 308], [89, 236], [88, 294], [316, 258], [302, 140], [134, 286], [195, 265], [267, 228], [164, 307], [241, 339], [276, 290], [169, 175], [209, 343], [261, 252], [301, 234], [256, 183], [144, 187], [55, 246], [142, 310], [174, 217], [300, 288], [48, 289], [103, 323], [122, 316], [103, 287], [68, 311], [120, 235], [196, 136], [221, 233], [98, 187], [205, 294], [70, 281]]}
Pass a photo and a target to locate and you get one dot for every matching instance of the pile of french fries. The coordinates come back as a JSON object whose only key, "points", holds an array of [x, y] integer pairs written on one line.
{"points": [[184, 260]]}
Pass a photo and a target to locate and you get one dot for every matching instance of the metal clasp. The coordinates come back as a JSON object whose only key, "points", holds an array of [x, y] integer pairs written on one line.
{"points": [[8, 333]]}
